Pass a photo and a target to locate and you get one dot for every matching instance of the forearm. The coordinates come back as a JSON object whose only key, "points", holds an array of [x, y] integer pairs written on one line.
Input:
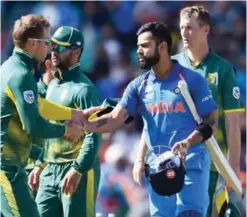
{"points": [[52, 111], [199, 134], [105, 123], [142, 149], [233, 140], [88, 153]]}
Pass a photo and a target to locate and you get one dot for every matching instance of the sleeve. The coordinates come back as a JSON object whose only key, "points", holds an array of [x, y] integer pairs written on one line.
{"points": [[201, 95], [23, 91], [129, 100], [51, 111], [86, 98], [35, 152], [230, 91]]}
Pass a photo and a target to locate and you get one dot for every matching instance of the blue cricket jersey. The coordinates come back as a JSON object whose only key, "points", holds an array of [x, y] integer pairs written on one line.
{"points": [[167, 118]]}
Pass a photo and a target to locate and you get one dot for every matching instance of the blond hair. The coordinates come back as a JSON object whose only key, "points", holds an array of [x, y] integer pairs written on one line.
{"points": [[28, 26], [199, 12]]}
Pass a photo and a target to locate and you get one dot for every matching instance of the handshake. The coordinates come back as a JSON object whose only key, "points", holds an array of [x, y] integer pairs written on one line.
{"points": [[76, 125]]}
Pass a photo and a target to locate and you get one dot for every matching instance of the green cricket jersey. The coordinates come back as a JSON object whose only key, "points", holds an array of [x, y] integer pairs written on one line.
{"points": [[222, 82], [73, 90], [20, 118], [38, 143]]}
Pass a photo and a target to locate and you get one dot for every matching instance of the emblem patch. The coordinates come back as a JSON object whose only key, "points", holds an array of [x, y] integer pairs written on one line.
{"points": [[28, 96], [236, 92], [177, 90], [213, 78]]}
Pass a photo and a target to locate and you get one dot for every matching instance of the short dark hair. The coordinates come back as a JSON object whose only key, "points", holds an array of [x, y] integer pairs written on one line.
{"points": [[42, 65], [29, 26], [159, 31], [199, 12]]}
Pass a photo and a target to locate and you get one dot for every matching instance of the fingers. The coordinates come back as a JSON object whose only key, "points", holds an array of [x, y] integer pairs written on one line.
{"points": [[68, 186], [33, 181], [137, 173], [30, 181], [64, 186], [73, 134]]}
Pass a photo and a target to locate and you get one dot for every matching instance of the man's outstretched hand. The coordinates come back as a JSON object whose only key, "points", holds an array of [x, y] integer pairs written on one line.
{"points": [[83, 115]]}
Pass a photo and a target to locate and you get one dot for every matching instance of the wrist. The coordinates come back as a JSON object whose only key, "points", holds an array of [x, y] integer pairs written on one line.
{"points": [[76, 170], [139, 160], [187, 143]]}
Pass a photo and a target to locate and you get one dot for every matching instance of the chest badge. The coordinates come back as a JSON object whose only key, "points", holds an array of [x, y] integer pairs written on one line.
{"points": [[212, 78], [177, 90]]}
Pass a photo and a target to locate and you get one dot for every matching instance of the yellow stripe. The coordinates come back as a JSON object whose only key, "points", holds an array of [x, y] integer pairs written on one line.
{"points": [[221, 198], [90, 194], [52, 111], [60, 42], [10, 94], [10, 197], [234, 110]]}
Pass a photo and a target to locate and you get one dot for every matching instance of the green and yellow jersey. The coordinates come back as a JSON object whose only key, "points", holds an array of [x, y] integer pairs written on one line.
{"points": [[73, 90], [222, 82], [23, 113], [38, 143]]}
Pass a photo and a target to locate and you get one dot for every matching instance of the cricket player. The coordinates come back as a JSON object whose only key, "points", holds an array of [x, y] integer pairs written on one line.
{"points": [[167, 119], [220, 75], [69, 183], [21, 111], [38, 143]]}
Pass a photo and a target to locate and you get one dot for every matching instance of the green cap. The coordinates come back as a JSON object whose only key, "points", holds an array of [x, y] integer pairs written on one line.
{"points": [[68, 36]]}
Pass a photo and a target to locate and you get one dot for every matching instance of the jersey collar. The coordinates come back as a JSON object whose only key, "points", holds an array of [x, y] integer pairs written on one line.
{"points": [[205, 59], [174, 69], [69, 73], [25, 57]]}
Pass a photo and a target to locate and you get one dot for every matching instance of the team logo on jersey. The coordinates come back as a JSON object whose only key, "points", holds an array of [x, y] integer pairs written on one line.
{"points": [[28, 96], [213, 78], [177, 90], [236, 92]]}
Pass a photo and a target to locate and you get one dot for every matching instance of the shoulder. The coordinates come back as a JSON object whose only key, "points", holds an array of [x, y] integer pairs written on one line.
{"points": [[190, 75], [224, 64], [140, 80], [178, 56]]}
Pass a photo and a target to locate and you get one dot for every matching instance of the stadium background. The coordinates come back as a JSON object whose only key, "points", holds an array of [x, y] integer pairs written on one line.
{"points": [[110, 60]]}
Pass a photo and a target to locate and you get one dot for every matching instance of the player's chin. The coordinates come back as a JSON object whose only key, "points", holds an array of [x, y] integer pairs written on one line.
{"points": [[187, 44], [143, 65]]}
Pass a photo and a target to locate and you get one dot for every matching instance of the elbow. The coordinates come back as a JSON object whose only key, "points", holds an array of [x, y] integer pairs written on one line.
{"points": [[214, 120]]}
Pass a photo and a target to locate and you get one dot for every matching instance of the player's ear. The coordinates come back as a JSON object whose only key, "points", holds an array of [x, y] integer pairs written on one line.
{"points": [[48, 64], [163, 47], [206, 29]]}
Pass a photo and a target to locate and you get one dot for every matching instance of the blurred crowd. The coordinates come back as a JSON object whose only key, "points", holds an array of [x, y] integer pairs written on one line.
{"points": [[110, 61]]}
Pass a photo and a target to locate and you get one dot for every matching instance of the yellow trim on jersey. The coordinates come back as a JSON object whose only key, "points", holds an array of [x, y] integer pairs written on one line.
{"points": [[9, 195], [10, 94], [234, 110], [221, 198], [60, 42], [90, 194], [52, 111]]}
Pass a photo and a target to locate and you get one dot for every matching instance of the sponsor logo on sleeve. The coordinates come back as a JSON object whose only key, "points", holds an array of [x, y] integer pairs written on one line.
{"points": [[236, 92], [28, 96], [206, 98]]}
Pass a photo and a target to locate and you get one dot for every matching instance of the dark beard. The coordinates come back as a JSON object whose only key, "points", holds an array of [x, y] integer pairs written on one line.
{"points": [[150, 61]]}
